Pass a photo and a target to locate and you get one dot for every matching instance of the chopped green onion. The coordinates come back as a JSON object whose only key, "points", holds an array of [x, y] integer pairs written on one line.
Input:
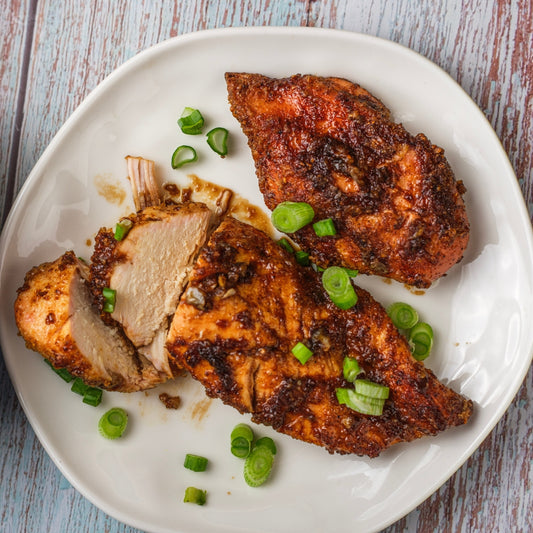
{"points": [[194, 495], [182, 155], [350, 369], [351, 272], [93, 396], [241, 440], [403, 316], [342, 395], [122, 228], [302, 258], [79, 387], [196, 463], [338, 285], [284, 243], [370, 389], [268, 442], [63, 373], [110, 298], [258, 465], [240, 447], [421, 340], [217, 139], [301, 352], [325, 227], [289, 217], [191, 121], [362, 404], [113, 423]]}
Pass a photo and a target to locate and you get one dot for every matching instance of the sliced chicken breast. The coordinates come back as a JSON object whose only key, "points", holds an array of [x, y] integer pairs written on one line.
{"points": [[148, 269], [55, 316]]}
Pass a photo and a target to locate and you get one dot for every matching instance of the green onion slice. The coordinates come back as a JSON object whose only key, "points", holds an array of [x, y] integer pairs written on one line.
{"points": [[342, 395], [110, 298], [350, 369], [325, 227], [403, 316], [191, 121], [240, 447], [302, 258], [258, 465], [268, 442], [79, 387], [122, 228], [217, 139], [182, 155], [289, 217], [63, 373], [301, 352], [194, 495], [362, 404], [351, 272], [241, 440], [284, 243], [338, 285], [93, 396], [421, 340], [113, 423], [370, 389], [196, 463]]}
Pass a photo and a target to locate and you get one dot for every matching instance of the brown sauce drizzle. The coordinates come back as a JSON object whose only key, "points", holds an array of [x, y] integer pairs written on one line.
{"points": [[414, 290], [111, 191], [200, 409], [200, 190]]}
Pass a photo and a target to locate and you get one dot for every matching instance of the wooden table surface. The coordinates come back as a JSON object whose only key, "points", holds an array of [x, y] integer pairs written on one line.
{"points": [[54, 53]]}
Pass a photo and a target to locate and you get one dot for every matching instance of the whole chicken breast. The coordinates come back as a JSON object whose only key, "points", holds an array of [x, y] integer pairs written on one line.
{"points": [[393, 198], [248, 303]]}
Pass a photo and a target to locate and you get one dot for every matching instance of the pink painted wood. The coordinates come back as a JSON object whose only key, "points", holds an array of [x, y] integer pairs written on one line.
{"points": [[54, 53]]}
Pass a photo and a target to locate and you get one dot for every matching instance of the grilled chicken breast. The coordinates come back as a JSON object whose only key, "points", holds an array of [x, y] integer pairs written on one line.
{"points": [[392, 196], [56, 318], [248, 303]]}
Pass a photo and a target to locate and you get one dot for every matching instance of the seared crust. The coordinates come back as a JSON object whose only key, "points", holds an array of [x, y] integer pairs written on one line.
{"points": [[394, 200], [248, 303]]}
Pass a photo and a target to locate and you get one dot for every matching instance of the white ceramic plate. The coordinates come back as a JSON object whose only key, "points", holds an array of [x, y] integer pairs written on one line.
{"points": [[482, 310]]}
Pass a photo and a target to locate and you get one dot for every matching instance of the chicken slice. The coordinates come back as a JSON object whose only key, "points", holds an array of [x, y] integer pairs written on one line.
{"points": [[248, 303], [148, 269], [144, 188], [55, 316], [397, 208]]}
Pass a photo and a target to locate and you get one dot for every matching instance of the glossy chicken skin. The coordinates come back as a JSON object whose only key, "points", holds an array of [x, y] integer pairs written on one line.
{"points": [[397, 208], [248, 303]]}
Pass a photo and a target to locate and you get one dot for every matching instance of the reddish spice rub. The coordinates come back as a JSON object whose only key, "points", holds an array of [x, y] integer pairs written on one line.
{"points": [[398, 210], [248, 303]]}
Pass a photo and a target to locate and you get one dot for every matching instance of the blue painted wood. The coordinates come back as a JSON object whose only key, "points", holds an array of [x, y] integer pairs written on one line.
{"points": [[485, 45]]}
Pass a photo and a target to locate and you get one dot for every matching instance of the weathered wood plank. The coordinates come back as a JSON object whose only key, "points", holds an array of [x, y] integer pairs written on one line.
{"points": [[15, 32], [485, 46]]}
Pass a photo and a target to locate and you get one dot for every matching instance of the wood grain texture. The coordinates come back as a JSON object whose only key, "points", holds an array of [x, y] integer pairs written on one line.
{"points": [[15, 35], [71, 46]]}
